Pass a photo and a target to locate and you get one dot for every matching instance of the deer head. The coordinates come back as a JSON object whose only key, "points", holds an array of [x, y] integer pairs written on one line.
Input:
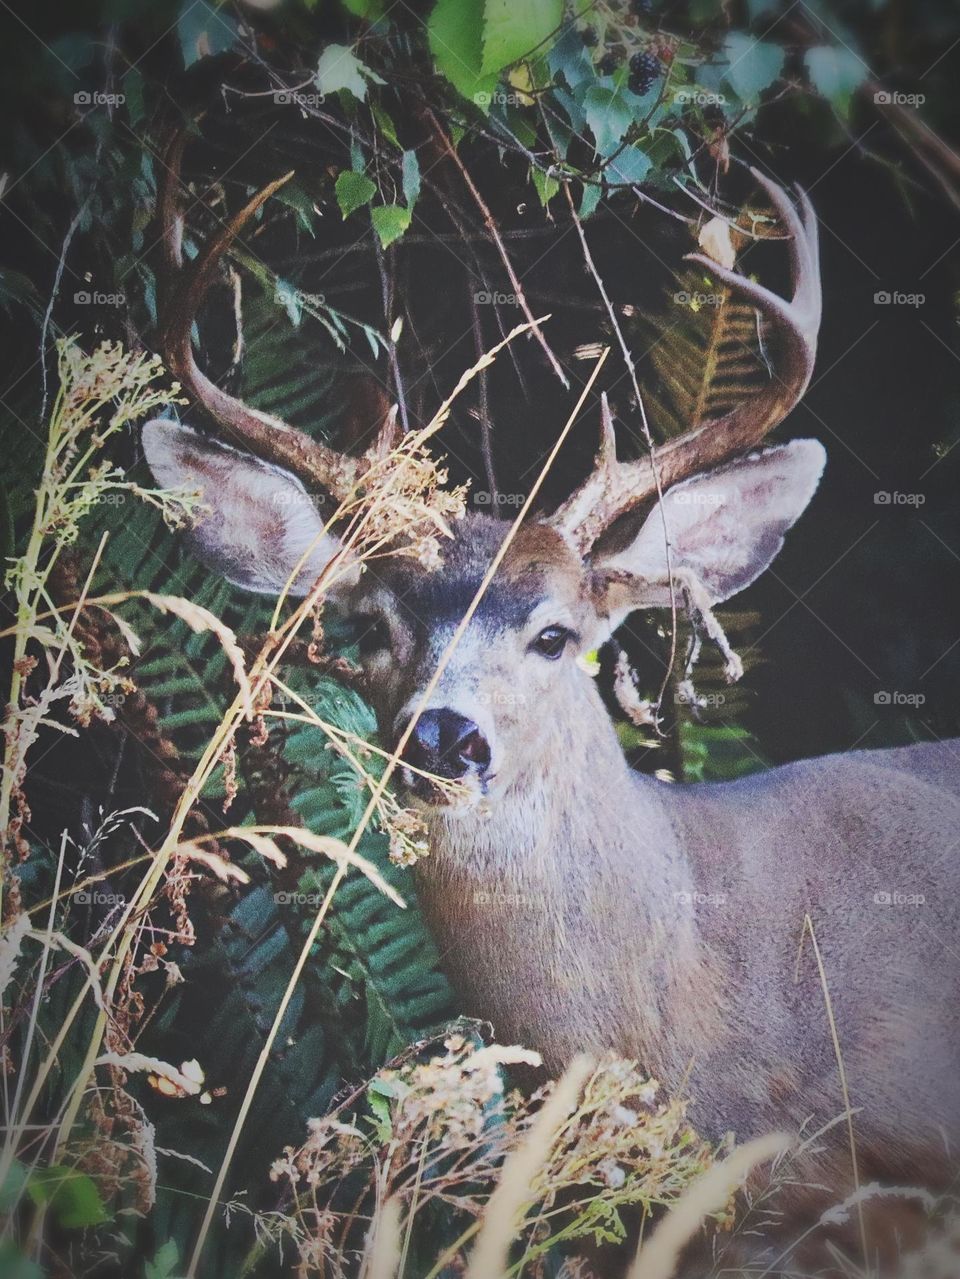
{"points": [[709, 513]]}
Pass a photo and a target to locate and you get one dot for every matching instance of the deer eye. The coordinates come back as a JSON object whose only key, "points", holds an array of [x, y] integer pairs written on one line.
{"points": [[551, 642], [372, 634]]}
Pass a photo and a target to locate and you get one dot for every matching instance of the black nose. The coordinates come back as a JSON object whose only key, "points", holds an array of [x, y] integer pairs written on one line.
{"points": [[447, 745]]}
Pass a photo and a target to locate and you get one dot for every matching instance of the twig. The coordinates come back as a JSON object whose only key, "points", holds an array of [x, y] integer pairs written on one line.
{"points": [[491, 226]]}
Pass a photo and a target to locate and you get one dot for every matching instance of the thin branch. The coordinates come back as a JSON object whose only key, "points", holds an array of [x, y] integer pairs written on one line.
{"points": [[491, 225]]}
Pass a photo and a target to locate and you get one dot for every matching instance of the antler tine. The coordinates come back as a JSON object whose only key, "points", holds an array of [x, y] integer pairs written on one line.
{"points": [[613, 489], [263, 435]]}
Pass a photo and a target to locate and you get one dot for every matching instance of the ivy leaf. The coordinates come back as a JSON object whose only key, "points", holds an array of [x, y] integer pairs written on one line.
{"points": [[340, 68], [455, 31], [353, 191], [836, 73], [411, 178], [608, 117], [204, 31], [390, 221], [512, 28], [754, 65]]}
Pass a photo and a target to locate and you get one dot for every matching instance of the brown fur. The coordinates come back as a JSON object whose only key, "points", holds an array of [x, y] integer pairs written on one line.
{"points": [[580, 906]]}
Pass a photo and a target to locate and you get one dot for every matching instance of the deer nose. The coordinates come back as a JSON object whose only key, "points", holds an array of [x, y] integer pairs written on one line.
{"points": [[447, 744]]}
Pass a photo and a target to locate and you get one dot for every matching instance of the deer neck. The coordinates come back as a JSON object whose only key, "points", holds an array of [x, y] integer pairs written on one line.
{"points": [[574, 874]]}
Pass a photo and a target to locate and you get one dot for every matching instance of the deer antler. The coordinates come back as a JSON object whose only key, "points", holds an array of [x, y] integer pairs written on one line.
{"points": [[263, 435], [615, 488]]}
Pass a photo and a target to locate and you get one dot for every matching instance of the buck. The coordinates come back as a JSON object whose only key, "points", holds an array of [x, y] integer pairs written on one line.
{"points": [[576, 904]]}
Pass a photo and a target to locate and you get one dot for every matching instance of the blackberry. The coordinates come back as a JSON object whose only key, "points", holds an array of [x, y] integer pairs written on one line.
{"points": [[589, 36], [642, 8], [608, 64], [645, 69]]}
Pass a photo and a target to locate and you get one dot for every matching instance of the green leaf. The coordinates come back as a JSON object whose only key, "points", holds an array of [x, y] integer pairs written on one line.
{"points": [[294, 197], [631, 165], [204, 31], [369, 9], [753, 65], [353, 191], [386, 125], [546, 186], [14, 1265], [390, 221], [411, 178], [455, 30], [340, 68], [72, 1196], [836, 73], [289, 298], [513, 28], [608, 117], [164, 1264], [590, 198], [12, 1187]]}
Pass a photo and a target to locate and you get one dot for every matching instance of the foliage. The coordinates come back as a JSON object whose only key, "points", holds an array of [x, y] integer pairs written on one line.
{"points": [[431, 1131]]}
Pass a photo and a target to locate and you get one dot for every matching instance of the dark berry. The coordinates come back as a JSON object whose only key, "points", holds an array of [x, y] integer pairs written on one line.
{"points": [[642, 8], [645, 68], [608, 64], [589, 37]]}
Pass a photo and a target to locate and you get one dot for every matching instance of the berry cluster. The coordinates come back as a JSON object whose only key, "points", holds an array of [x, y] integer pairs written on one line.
{"points": [[645, 69]]}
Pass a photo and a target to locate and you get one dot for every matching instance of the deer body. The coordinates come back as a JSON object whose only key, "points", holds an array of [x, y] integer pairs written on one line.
{"points": [[577, 905], [596, 908]]}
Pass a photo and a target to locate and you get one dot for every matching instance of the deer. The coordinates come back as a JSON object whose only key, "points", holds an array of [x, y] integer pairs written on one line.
{"points": [[746, 941]]}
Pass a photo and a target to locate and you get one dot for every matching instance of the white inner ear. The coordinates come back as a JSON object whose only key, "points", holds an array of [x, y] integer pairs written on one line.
{"points": [[724, 527], [261, 520]]}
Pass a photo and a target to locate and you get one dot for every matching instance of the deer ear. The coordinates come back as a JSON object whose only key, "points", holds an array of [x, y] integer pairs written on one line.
{"points": [[724, 529], [260, 521]]}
